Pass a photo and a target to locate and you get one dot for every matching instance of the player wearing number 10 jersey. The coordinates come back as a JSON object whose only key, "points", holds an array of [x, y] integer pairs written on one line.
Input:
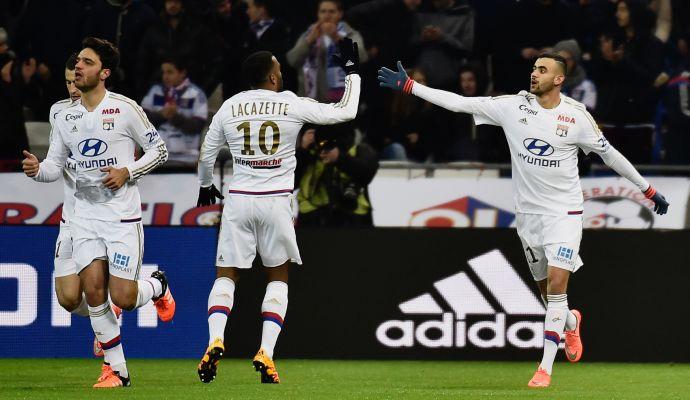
{"points": [[261, 127]]}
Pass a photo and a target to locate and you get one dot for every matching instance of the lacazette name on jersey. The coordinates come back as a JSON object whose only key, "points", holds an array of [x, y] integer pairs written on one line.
{"points": [[258, 108]]}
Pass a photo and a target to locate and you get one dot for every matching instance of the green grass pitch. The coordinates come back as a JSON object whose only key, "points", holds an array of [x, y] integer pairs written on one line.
{"points": [[318, 379]]}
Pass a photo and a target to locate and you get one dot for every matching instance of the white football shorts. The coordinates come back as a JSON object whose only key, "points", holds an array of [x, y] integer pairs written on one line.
{"points": [[550, 240], [64, 265], [252, 224], [121, 243]]}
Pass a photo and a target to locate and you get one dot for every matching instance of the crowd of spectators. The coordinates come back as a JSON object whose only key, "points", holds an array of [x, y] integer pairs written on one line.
{"points": [[628, 59]]}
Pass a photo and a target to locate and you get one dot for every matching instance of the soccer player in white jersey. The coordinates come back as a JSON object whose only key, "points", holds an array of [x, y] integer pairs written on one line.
{"points": [[261, 127], [544, 130], [67, 284], [101, 131]]}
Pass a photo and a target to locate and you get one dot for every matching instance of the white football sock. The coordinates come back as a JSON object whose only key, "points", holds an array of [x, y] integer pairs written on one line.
{"points": [[219, 306], [556, 314], [148, 289], [273, 311], [107, 333]]}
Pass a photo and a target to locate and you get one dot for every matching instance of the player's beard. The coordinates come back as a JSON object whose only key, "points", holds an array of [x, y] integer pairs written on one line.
{"points": [[540, 88], [280, 83], [87, 83]]}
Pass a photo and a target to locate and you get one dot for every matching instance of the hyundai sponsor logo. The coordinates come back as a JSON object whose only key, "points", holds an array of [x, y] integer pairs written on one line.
{"points": [[538, 147], [92, 147]]}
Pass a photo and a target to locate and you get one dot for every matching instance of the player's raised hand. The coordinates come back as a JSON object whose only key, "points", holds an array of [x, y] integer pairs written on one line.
{"points": [[348, 57], [30, 164], [397, 80], [660, 203], [208, 195], [116, 177]]}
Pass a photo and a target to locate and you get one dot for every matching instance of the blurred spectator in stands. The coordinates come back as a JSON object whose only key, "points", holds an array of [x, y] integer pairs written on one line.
{"points": [[462, 136], [592, 17], [333, 175], [179, 33], [406, 128], [230, 21], [4, 42], [628, 73], [15, 77], [178, 108], [677, 104], [123, 23], [442, 41], [319, 76], [576, 85], [664, 18], [268, 32], [523, 36], [387, 26], [48, 32]]}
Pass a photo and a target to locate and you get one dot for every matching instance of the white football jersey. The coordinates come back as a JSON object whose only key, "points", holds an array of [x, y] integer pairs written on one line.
{"points": [[543, 147], [69, 171], [101, 138], [261, 128]]}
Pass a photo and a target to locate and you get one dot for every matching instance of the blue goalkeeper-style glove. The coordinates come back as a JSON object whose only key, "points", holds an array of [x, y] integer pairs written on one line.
{"points": [[660, 203], [395, 80]]}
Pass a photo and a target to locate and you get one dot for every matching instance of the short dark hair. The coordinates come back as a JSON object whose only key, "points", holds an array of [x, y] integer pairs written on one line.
{"points": [[269, 5], [338, 4], [178, 61], [107, 52], [256, 67], [560, 60], [71, 63]]}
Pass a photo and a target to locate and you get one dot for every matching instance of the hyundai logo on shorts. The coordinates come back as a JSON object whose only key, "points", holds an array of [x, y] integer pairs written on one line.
{"points": [[92, 147], [538, 147]]}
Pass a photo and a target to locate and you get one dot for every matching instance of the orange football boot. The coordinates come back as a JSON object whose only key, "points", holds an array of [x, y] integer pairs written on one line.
{"points": [[113, 381], [106, 371], [540, 379], [573, 341], [209, 362], [266, 367], [165, 303]]}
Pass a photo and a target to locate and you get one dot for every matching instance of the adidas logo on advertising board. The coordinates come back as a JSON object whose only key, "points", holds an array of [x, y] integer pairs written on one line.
{"points": [[509, 296]]}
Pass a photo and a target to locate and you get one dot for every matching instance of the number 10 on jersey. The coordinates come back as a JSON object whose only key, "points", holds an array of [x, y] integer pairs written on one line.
{"points": [[275, 139]]}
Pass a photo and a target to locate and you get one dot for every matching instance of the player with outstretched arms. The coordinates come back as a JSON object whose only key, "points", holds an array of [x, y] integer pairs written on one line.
{"points": [[101, 131], [67, 284], [261, 126], [544, 130]]}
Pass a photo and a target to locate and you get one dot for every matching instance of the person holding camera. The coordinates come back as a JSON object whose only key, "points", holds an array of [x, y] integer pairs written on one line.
{"points": [[332, 177]]}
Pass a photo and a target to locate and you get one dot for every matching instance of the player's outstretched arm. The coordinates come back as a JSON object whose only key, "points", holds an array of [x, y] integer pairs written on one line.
{"points": [[617, 162], [345, 110], [398, 80], [593, 140]]}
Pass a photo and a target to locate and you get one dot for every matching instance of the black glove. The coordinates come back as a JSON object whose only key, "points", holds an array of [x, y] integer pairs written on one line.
{"points": [[348, 57], [660, 203], [207, 196]]}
